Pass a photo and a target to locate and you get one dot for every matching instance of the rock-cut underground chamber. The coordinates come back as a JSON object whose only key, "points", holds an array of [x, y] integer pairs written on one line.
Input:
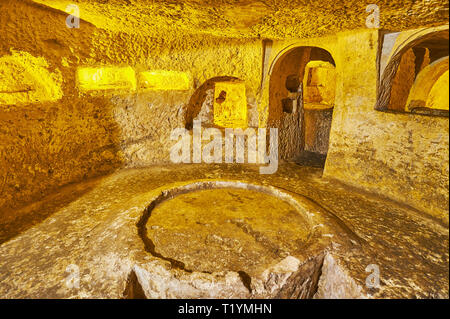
{"points": [[224, 148]]}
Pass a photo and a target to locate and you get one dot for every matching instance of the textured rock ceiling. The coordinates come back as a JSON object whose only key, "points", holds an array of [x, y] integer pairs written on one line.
{"points": [[252, 18]]}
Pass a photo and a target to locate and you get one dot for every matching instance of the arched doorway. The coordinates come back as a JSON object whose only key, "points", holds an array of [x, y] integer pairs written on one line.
{"points": [[301, 100], [415, 78]]}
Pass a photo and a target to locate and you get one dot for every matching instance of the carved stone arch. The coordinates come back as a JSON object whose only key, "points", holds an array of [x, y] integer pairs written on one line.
{"points": [[435, 40]]}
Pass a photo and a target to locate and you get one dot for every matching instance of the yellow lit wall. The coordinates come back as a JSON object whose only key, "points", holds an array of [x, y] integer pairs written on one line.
{"points": [[403, 81], [106, 78], [439, 95], [319, 83], [424, 82], [230, 104], [162, 80], [25, 79]]}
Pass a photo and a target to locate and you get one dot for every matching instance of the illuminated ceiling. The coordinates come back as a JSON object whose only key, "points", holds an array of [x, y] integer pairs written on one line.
{"points": [[251, 18]]}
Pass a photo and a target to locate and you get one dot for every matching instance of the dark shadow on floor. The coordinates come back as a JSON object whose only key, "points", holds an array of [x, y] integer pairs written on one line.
{"points": [[33, 214], [311, 159]]}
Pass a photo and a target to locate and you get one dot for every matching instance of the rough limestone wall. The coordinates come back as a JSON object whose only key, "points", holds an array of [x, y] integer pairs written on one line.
{"points": [[403, 81], [317, 130], [45, 145], [401, 156]]}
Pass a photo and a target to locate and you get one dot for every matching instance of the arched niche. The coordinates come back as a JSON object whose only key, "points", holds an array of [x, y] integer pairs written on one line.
{"points": [[291, 64], [220, 102], [25, 79], [413, 68], [302, 89]]}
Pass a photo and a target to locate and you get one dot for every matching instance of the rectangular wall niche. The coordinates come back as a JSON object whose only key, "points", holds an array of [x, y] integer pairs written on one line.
{"points": [[106, 78], [230, 104], [163, 80]]}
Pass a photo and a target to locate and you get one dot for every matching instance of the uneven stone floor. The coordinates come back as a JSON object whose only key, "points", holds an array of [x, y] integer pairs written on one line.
{"points": [[104, 230], [245, 228]]}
